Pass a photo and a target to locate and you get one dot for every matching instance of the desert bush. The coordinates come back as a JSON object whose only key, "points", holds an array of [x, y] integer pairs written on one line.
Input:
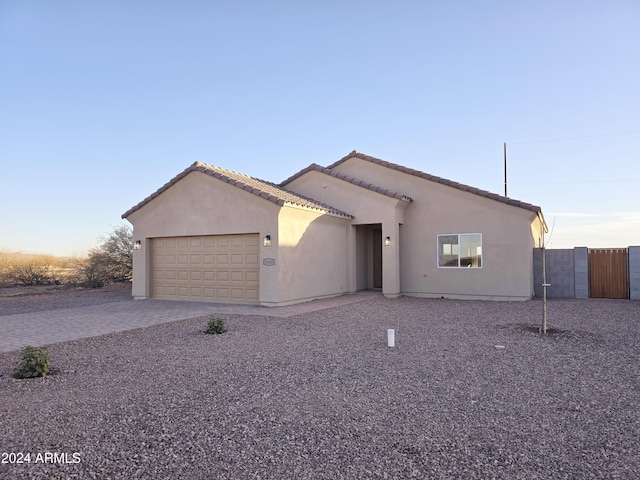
{"points": [[6, 261], [215, 326], [26, 269], [88, 273], [34, 271], [35, 363], [111, 262]]}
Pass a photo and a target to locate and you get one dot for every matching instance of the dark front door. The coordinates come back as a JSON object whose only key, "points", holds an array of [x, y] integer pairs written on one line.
{"points": [[377, 258]]}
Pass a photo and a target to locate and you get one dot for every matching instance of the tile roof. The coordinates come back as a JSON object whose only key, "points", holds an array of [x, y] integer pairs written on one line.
{"points": [[267, 190], [443, 181], [347, 178]]}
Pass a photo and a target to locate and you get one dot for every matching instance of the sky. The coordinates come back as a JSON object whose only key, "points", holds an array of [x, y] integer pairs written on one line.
{"points": [[102, 103]]}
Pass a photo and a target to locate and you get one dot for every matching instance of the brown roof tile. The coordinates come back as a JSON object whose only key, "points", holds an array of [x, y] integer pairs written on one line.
{"points": [[267, 190], [443, 181]]}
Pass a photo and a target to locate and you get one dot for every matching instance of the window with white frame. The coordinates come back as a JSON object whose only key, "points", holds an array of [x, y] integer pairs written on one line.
{"points": [[462, 250]]}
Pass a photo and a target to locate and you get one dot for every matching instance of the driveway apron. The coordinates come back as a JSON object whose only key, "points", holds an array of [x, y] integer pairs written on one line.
{"points": [[53, 326]]}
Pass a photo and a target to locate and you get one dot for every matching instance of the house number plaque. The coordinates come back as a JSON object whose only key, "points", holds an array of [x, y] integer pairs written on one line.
{"points": [[269, 262]]}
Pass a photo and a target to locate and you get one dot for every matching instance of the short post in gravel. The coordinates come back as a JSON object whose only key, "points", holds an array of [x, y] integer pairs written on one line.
{"points": [[391, 337]]}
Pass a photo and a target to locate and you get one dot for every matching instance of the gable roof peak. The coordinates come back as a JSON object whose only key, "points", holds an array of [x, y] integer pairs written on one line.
{"points": [[348, 179], [261, 188], [440, 180]]}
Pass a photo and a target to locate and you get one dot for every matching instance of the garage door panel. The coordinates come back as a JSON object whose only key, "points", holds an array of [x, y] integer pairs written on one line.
{"points": [[238, 242], [170, 290], [237, 294], [183, 292], [237, 276], [183, 275], [204, 271]]}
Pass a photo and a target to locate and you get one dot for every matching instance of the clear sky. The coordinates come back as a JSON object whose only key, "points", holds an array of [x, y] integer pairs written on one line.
{"points": [[101, 103]]}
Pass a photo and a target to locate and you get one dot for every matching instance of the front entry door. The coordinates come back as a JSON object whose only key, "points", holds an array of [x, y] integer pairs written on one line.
{"points": [[377, 258]]}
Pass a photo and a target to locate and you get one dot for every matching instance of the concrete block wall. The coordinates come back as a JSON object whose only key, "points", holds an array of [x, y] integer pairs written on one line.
{"points": [[581, 272], [560, 265], [634, 273], [568, 272]]}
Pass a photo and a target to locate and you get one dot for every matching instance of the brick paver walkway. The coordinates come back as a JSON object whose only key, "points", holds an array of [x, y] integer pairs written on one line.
{"points": [[53, 326]]}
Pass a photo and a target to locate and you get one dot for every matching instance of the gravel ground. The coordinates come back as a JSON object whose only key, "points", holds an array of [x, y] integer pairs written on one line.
{"points": [[16, 300], [321, 396]]}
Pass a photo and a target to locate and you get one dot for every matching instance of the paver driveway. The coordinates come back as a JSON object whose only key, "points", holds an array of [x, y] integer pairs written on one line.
{"points": [[53, 326]]}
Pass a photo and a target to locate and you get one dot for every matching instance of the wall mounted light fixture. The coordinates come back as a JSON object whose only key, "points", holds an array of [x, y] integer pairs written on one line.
{"points": [[266, 241], [387, 241], [137, 245]]}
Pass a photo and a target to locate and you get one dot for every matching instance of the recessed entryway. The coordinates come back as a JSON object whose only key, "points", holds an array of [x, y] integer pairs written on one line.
{"points": [[369, 257]]}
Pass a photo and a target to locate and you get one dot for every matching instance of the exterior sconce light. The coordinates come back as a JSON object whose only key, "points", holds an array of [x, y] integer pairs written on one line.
{"points": [[137, 245], [266, 241], [387, 241]]}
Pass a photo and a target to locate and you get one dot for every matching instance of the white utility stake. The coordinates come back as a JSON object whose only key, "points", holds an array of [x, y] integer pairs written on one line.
{"points": [[391, 337]]}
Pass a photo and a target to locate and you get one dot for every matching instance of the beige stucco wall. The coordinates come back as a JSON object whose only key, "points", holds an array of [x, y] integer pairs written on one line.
{"points": [[367, 207], [313, 257], [507, 237], [199, 204]]}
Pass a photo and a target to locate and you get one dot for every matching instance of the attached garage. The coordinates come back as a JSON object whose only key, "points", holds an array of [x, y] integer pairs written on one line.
{"points": [[216, 268]]}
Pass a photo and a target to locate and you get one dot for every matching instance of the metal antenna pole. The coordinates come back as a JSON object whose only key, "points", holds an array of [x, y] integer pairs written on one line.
{"points": [[505, 169]]}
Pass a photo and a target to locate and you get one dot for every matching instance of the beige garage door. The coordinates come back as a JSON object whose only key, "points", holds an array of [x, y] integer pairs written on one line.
{"points": [[220, 268]]}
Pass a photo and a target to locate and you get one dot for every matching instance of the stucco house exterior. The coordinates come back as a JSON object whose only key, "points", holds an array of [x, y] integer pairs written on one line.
{"points": [[361, 223]]}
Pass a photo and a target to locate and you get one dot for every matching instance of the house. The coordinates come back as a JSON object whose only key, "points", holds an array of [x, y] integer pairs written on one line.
{"points": [[361, 223]]}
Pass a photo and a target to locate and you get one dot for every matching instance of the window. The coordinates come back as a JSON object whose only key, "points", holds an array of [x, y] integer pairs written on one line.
{"points": [[460, 251]]}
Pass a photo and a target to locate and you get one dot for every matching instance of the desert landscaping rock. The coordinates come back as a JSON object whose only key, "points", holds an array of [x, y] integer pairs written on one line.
{"points": [[321, 395], [18, 300]]}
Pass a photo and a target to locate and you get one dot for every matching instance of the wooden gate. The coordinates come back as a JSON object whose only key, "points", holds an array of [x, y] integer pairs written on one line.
{"points": [[608, 273]]}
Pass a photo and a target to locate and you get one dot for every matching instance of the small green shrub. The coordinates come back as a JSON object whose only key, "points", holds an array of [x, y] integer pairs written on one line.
{"points": [[215, 326], [35, 363]]}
